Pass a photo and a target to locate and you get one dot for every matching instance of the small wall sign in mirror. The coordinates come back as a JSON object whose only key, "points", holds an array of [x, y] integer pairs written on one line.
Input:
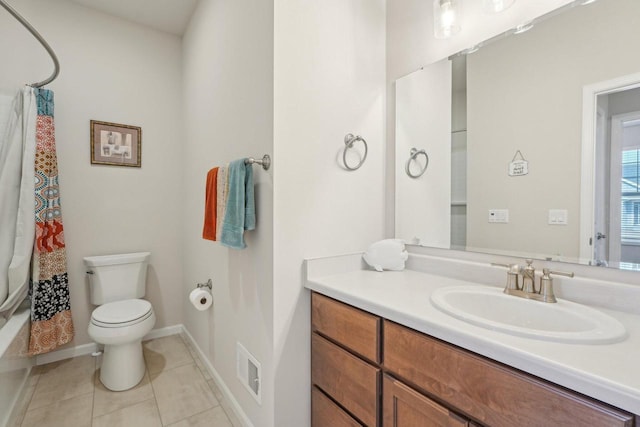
{"points": [[518, 166], [115, 144]]}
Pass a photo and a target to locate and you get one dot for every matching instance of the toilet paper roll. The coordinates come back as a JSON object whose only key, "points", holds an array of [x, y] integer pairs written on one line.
{"points": [[201, 299]]}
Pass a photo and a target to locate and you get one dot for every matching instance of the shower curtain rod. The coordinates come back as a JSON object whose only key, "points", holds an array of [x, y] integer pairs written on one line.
{"points": [[42, 41]]}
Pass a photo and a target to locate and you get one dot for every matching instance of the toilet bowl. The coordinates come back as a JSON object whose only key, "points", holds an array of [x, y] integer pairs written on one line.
{"points": [[120, 327]]}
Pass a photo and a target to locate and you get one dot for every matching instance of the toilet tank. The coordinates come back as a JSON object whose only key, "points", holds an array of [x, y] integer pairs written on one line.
{"points": [[117, 277]]}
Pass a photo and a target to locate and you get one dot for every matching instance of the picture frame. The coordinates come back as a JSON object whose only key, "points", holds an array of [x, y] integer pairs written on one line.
{"points": [[115, 144]]}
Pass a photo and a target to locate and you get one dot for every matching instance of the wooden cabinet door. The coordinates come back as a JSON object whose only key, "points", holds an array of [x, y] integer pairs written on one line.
{"points": [[494, 394], [405, 407], [349, 380], [352, 328], [325, 413]]}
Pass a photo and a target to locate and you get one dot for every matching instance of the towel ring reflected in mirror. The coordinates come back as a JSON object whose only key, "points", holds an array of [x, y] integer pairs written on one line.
{"points": [[349, 140], [413, 154]]}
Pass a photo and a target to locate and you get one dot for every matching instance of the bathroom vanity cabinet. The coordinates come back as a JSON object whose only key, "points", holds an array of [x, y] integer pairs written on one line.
{"points": [[368, 371]]}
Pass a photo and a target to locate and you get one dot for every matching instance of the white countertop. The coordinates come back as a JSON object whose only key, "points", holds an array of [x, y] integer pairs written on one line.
{"points": [[607, 372]]}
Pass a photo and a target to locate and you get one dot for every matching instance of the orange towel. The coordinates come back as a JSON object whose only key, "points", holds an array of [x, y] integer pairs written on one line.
{"points": [[210, 197]]}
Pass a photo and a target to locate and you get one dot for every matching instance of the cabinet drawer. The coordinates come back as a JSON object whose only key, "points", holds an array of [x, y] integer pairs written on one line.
{"points": [[355, 329], [325, 413], [487, 391], [405, 407], [350, 381]]}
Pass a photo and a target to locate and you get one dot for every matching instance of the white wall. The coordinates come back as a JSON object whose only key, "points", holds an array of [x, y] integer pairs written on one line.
{"points": [[228, 110], [329, 81], [423, 204], [104, 76]]}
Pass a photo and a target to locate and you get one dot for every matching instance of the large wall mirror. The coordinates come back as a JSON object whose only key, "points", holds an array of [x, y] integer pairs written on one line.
{"points": [[531, 143]]}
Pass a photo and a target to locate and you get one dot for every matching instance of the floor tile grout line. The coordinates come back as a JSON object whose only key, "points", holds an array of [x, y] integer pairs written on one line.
{"points": [[193, 363], [26, 407], [59, 401], [193, 415], [197, 358], [127, 405], [123, 408], [155, 397], [184, 363], [35, 388]]}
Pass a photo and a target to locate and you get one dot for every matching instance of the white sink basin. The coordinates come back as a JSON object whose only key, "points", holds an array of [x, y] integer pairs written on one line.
{"points": [[563, 321]]}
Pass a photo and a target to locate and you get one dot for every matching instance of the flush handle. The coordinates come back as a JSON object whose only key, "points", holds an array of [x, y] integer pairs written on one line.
{"points": [[90, 272]]}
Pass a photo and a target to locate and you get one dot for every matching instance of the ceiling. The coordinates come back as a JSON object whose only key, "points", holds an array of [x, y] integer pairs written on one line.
{"points": [[171, 16]]}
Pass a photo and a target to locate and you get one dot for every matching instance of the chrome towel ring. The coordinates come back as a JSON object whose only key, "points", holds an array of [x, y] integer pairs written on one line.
{"points": [[414, 153], [349, 140]]}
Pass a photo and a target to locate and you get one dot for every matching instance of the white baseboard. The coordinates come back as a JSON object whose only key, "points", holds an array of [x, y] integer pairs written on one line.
{"points": [[164, 332], [84, 349], [235, 406], [66, 353]]}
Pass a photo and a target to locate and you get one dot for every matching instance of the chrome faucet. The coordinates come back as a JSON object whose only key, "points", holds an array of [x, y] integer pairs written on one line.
{"points": [[528, 289]]}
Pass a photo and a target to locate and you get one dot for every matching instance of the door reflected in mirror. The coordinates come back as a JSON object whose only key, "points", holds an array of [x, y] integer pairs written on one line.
{"points": [[533, 149], [616, 234]]}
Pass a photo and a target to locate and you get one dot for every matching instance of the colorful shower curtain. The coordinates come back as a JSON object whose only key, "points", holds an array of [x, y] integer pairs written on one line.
{"points": [[51, 324]]}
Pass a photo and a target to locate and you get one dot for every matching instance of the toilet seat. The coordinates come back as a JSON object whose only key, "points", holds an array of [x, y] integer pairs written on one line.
{"points": [[120, 314]]}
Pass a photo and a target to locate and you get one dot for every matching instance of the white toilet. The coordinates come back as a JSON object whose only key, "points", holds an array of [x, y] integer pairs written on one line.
{"points": [[116, 284]]}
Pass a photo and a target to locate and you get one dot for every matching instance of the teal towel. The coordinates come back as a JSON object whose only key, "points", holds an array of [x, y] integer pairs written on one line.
{"points": [[249, 202], [240, 214]]}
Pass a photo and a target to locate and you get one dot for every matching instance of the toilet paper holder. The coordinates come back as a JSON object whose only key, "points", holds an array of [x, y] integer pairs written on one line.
{"points": [[209, 285]]}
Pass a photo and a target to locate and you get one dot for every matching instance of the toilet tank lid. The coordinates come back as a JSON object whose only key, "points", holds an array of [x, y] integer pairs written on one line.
{"points": [[97, 261]]}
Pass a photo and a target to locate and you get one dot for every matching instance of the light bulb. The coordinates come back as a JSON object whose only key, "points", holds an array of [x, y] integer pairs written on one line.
{"points": [[446, 17], [496, 6]]}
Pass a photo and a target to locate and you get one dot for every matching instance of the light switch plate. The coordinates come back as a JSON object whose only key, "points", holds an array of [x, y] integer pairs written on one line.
{"points": [[500, 216], [558, 216]]}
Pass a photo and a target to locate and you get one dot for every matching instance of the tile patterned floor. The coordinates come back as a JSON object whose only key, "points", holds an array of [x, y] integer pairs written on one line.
{"points": [[176, 391]]}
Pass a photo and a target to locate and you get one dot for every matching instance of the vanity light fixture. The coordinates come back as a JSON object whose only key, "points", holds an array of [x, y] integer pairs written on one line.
{"points": [[497, 6], [446, 18], [523, 28]]}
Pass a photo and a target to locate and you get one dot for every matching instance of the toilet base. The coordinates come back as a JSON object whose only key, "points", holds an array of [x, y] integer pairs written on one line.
{"points": [[122, 366]]}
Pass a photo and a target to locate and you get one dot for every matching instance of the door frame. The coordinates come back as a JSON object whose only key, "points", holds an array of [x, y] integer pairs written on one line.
{"points": [[587, 187], [615, 236]]}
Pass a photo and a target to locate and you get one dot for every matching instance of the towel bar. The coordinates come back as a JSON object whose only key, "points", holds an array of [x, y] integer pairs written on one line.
{"points": [[265, 161]]}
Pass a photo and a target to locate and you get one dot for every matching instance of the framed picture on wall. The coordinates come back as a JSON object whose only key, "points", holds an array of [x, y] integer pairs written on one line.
{"points": [[115, 144]]}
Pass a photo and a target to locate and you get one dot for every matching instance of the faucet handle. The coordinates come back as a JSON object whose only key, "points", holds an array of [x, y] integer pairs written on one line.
{"points": [[547, 272], [509, 267], [546, 284], [512, 275], [497, 264]]}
